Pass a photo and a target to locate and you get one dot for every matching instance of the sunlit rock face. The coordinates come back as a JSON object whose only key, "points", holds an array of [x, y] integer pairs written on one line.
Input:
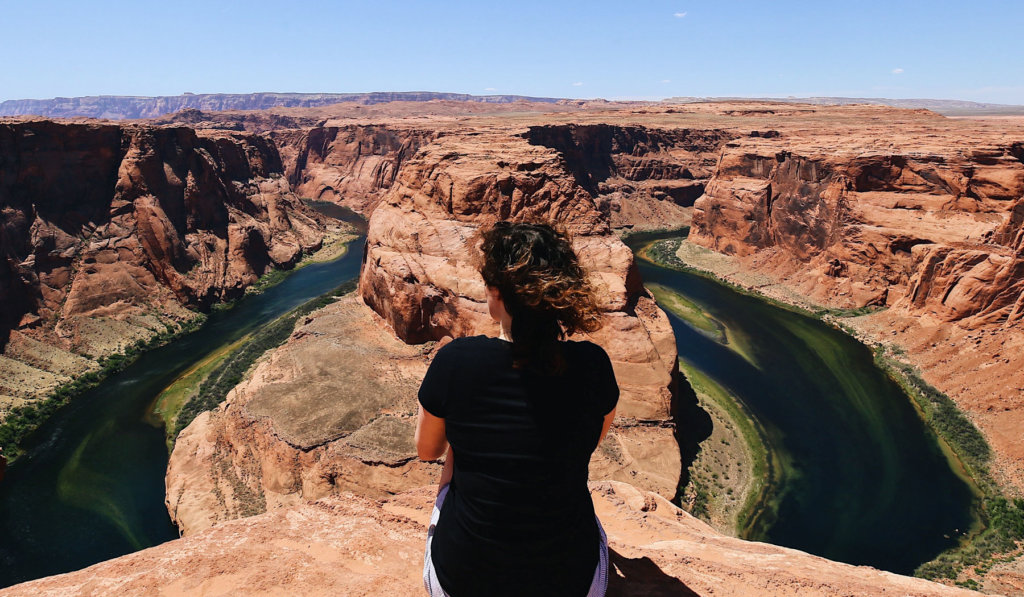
{"points": [[419, 273], [353, 545], [109, 232]]}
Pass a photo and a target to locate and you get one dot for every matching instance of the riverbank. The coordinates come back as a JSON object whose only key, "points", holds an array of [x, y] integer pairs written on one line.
{"points": [[206, 383], [335, 245], [91, 484], [732, 468], [21, 421], [1001, 524]]}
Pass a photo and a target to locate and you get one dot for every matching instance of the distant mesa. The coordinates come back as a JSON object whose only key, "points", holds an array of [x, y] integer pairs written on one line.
{"points": [[946, 107], [120, 107]]}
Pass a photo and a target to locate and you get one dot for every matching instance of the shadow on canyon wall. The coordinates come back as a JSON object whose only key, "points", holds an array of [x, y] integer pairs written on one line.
{"points": [[693, 426]]}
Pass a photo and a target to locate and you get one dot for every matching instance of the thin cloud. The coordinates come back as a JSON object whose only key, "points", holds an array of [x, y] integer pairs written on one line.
{"points": [[578, 84], [666, 80], [490, 89], [679, 15], [897, 71]]}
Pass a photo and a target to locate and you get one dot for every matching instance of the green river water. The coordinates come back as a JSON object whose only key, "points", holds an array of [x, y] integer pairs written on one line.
{"points": [[859, 477], [90, 486]]}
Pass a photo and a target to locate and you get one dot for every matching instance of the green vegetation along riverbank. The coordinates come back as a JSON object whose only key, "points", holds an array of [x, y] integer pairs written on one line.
{"points": [[734, 470], [999, 529], [207, 383], [21, 421]]}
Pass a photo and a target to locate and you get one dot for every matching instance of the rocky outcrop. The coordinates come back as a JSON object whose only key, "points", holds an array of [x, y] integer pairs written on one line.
{"points": [[334, 410], [298, 431], [351, 545], [131, 107], [353, 166], [931, 231], [331, 410], [419, 277], [109, 232]]}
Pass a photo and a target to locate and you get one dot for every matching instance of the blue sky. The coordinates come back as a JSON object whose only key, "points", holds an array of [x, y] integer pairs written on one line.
{"points": [[616, 50]]}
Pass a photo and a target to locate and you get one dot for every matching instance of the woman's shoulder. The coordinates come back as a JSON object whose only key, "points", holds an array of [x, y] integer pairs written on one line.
{"points": [[476, 342], [586, 348], [473, 345]]}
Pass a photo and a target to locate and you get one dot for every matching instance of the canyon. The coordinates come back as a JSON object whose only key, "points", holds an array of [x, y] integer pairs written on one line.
{"points": [[113, 234], [838, 206]]}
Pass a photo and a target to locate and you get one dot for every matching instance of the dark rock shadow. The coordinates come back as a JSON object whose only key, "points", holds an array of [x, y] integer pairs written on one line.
{"points": [[693, 426], [641, 576]]}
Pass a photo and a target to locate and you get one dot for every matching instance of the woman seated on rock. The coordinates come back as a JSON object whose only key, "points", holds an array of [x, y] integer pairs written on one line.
{"points": [[524, 412]]}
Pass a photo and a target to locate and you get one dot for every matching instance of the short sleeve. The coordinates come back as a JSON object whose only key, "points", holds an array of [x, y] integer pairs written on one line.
{"points": [[606, 389], [436, 386]]}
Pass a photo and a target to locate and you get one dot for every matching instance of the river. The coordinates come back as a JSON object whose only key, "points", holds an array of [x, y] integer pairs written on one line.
{"points": [[90, 486], [863, 479]]}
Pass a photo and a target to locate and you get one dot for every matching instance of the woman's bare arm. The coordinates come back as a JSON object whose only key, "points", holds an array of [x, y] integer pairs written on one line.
{"points": [[431, 440]]}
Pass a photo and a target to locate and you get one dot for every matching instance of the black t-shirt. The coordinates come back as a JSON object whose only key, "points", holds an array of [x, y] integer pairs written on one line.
{"points": [[518, 518]]}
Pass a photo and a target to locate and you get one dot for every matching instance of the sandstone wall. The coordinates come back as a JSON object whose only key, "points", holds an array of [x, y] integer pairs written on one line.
{"points": [[353, 165], [930, 231], [108, 231], [419, 275], [930, 227]]}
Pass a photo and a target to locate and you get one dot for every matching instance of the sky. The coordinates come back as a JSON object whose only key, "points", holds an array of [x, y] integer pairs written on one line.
{"points": [[636, 49]]}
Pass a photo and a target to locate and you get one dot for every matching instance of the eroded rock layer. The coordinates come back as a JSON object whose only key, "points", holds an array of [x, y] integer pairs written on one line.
{"points": [[934, 229], [419, 274], [109, 232], [644, 178], [919, 214], [827, 199]]}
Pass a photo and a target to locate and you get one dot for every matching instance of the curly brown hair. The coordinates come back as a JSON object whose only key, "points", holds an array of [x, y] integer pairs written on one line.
{"points": [[543, 286]]}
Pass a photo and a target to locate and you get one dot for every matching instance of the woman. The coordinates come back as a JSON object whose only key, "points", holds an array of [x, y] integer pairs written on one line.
{"points": [[524, 412]]}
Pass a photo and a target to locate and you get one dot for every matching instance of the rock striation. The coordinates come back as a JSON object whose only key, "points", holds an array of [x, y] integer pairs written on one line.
{"points": [[643, 177], [419, 275], [110, 232], [924, 218], [825, 199], [352, 545], [935, 229]]}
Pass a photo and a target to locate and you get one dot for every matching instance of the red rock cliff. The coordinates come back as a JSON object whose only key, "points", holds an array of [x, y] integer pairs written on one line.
{"points": [[642, 177], [352, 166], [912, 211], [418, 274], [932, 229], [106, 223]]}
